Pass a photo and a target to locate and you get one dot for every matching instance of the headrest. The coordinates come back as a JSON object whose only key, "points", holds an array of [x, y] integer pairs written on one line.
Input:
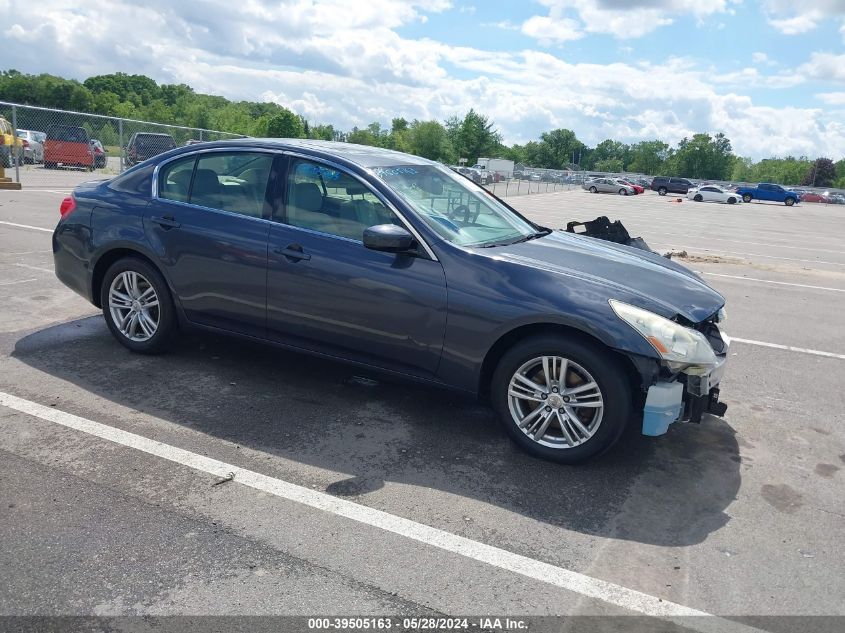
{"points": [[307, 196], [205, 181]]}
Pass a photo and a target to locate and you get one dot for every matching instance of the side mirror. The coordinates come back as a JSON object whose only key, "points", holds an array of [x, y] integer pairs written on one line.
{"points": [[388, 238]]}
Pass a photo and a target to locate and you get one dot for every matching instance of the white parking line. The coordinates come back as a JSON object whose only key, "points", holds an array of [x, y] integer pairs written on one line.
{"points": [[26, 226], [45, 270], [769, 281], [711, 251], [724, 239], [17, 281], [618, 595], [789, 348]]}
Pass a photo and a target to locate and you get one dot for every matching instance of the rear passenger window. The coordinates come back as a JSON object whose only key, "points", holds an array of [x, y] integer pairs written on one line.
{"points": [[330, 201], [232, 181], [175, 179]]}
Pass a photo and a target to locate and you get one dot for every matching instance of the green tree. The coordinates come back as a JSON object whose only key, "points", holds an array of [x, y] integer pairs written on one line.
{"points": [[647, 157], [285, 124], [472, 136], [702, 156], [429, 139], [557, 149]]}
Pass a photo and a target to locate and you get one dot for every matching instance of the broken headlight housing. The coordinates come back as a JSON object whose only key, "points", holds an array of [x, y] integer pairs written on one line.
{"points": [[680, 347]]}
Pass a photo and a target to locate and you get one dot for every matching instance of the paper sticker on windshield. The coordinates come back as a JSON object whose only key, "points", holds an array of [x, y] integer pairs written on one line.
{"points": [[395, 171]]}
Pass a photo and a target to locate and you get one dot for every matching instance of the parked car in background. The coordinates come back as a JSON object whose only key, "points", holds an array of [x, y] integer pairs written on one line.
{"points": [[713, 193], [12, 148], [608, 185], [576, 339], [145, 145], [636, 187], [192, 141], [69, 146], [812, 196], [33, 146], [99, 153], [664, 185], [837, 198], [769, 192]]}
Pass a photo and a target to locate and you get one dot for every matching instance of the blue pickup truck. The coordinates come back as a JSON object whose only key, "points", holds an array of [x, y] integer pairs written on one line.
{"points": [[769, 192]]}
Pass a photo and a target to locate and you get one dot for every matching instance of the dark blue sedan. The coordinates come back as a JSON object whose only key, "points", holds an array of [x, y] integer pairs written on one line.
{"points": [[397, 263]]}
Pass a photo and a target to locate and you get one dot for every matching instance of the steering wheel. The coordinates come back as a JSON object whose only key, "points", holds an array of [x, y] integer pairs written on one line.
{"points": [[469, 218]]}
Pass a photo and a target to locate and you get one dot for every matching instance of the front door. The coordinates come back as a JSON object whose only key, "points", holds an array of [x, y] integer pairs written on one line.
{"points": [[328, 293], [209, 226]]}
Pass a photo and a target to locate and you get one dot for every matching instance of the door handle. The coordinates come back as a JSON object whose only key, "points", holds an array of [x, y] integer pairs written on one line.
{"points": [[293, 253], [166, 221]]}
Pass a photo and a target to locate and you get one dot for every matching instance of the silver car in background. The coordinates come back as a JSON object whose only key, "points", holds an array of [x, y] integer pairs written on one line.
{"points": [[33, 151], [607, 185]]}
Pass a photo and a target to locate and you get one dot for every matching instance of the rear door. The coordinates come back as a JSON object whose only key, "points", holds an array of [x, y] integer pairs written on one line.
{"points": [[209, 224], [328, 293]]}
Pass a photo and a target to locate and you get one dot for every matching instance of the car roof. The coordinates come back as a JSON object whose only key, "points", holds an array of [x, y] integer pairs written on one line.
{"points": [[361, 155]]}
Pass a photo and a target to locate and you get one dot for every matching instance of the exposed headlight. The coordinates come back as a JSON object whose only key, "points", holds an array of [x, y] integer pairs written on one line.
{"points": [[681, 347], [721, 315]]}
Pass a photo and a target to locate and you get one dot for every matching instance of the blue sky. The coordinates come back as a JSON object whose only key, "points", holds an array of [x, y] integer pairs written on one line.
{"points": [[768, 73]]}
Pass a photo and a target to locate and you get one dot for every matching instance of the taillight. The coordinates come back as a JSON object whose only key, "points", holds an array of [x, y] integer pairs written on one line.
{"points": [[68, 205]]}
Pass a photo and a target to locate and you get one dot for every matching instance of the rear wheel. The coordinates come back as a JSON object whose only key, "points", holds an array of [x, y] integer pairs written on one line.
{"points": [[560, 399], [662, 191], [623, 192], [593, 190], [137, 306], [789, 202], [698, 197], [746, 197]]}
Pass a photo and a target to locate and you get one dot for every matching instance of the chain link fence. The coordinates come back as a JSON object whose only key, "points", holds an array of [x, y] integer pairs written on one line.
{"points": [[45, 147]]}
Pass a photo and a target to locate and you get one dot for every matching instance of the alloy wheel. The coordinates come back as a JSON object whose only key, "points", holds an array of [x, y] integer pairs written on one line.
{"points": [[134, 306], [555, 401]]}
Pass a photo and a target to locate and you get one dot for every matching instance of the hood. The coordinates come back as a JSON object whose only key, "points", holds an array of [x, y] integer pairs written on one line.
{"points": [[664, 286]]}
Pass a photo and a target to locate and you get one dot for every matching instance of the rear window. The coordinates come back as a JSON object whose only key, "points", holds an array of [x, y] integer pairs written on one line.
{"points": [[67, 133], [136, 181], [155, 140]]}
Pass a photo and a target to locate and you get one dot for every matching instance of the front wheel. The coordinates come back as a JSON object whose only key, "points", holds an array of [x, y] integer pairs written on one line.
{"points": [[789, 202], [746, 197], [593, 190], [662, 191], [698, 197], [731, 200], [623, 192], [137, 306], [560, 399]]}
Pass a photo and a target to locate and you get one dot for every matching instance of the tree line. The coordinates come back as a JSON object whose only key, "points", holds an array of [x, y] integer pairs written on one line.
{"points": [[701, 156]]}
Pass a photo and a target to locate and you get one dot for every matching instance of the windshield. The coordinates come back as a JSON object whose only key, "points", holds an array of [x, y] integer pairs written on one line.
{"points": [[456, 208]]}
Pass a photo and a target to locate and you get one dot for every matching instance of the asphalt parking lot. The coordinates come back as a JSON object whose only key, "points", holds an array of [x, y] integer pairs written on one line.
{"points": [[740, 518]]}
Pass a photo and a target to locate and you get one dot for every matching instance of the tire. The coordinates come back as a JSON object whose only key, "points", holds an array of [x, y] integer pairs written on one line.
{"points": [[698, 198], [623, 192], [586, 361], [731, 200], [163, 315], [746, 197], [662, 191], [593, 190], [789, 202]]}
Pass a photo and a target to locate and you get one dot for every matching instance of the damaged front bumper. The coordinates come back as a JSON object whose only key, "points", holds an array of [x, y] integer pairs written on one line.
{"points": [[686, 397]]}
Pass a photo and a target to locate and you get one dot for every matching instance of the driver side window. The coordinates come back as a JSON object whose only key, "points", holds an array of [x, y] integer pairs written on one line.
{"points": [[327, 200]]}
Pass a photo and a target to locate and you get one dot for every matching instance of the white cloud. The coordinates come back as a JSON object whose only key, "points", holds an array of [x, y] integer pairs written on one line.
{"points": [[621, 18], [355, 68], [825, 67], [832, 98], [793, 18], [549, 30], [759, 58]]}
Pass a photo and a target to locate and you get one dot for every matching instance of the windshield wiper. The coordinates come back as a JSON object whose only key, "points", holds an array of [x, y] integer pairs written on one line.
{"points": [[524, 238]]}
